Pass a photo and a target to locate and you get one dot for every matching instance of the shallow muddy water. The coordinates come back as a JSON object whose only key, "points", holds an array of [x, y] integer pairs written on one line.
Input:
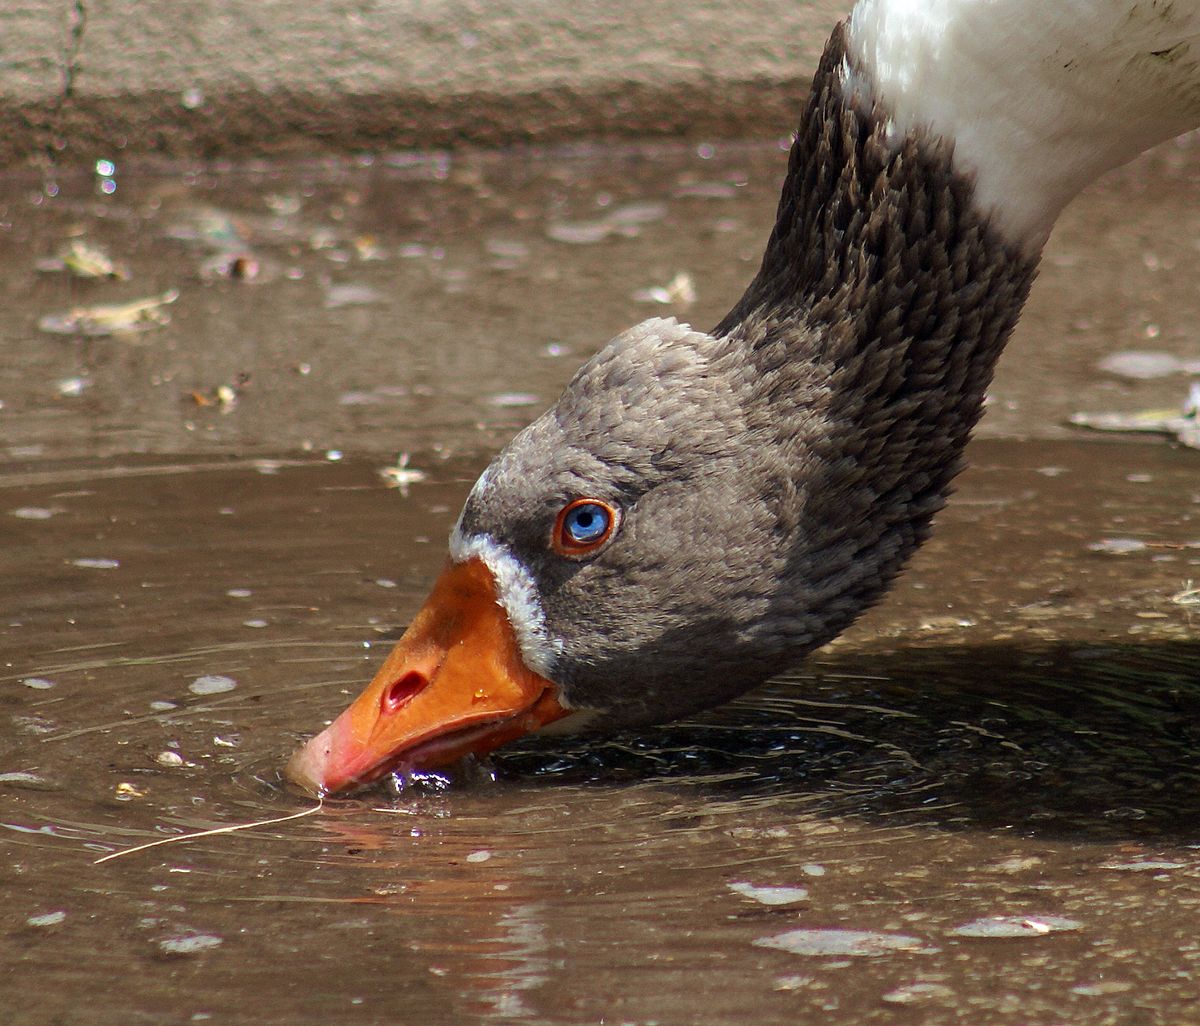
{"points": [[981, 804], [435, 303], [1014, 734]]}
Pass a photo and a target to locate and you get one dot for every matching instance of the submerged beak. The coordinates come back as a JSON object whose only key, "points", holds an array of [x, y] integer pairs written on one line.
{"points": [[454, 684]]}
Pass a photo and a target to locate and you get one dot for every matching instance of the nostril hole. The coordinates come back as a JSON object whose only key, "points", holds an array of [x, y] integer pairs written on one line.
{"points": [[400, 691]]}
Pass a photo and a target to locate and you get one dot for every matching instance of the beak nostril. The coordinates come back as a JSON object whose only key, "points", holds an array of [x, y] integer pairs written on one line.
{"points": [[400, 691]]}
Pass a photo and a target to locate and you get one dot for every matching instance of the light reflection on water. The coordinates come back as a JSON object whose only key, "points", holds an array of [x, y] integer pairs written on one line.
{"points": [[932, 770], [1012, 734]]}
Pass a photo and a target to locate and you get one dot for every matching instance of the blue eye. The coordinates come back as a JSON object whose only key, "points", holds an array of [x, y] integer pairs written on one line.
{"points": [[583, 525], [587, 523]]}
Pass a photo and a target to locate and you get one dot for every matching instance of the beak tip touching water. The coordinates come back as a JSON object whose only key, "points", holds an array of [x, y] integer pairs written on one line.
{"points": [[455, 684], [324, 765]]}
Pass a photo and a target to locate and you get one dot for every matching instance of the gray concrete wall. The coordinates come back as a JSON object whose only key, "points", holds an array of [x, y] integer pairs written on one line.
{"points": [[205, 78]]}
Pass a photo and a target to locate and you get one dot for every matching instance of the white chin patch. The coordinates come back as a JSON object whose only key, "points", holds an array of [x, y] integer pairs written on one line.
{"points": [[517, 595]]}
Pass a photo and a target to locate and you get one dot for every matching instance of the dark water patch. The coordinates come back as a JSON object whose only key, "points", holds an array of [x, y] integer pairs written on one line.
{"points": [[1046, 740]]}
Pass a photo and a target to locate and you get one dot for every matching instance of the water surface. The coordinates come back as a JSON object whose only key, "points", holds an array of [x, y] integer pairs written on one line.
{"points": [[979, 805]]}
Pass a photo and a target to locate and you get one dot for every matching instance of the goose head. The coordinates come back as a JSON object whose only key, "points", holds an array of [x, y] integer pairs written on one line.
{"points": [[631, 556], [701, 509]]}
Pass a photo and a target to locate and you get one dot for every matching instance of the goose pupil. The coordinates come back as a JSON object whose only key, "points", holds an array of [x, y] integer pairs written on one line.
{"points": [[586, 523]]}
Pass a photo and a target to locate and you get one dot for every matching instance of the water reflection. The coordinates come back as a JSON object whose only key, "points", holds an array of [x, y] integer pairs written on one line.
{"points": [[1055, 740], [1021, 759]]}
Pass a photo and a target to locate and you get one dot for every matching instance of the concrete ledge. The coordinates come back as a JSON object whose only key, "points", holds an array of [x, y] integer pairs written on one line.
{"points": [[214, 78]]}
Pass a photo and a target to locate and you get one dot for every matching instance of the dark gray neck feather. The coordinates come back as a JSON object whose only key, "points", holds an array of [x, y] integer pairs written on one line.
{"points": [[883, 301]]}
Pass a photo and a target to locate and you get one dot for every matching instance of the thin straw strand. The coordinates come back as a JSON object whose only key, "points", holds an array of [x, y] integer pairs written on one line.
{"points": [[209, 833]]}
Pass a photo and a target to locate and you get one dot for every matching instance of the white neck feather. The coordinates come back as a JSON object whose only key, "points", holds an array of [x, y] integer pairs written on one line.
{"points": [[1038, 96], [516, 594]]}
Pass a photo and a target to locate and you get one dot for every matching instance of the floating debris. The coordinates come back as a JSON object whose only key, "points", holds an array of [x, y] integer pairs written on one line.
{"points": [[212, 228], [212, 684], [1189, 596], [1118, 546], [127, 792], [479, 856], [46, 919], [283, 204], [1182, 424], [1144, 366], [1148, 866], [96, 564], [224, 397], [25, 781], [579, 233], [366, 247], [1015, 926], [84, 260], [189, 944], [172, 760], [679, 291], [506, 400], [214, 831], [35, 724], [34, 512], [625, 220], [111, 318], [38, 683], [768, 895], [401, 475], [234, 265], [1102, 988], [842, 943], [338, 296], [72, 388], [637, 213], [911, 993], [507, 249]]}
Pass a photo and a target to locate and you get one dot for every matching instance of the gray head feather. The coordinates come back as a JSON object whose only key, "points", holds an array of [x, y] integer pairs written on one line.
{"points": [[773, 477]]}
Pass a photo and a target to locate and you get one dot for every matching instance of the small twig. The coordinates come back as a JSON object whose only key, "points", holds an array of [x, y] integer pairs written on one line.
{"points": [[209, 833]]}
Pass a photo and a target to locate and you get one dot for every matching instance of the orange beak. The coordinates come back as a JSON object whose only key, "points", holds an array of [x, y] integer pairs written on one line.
{"points": [[454, 684]]}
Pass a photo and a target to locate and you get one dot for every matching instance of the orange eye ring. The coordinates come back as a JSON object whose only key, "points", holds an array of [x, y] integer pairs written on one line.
{"points": [[583, 526]]}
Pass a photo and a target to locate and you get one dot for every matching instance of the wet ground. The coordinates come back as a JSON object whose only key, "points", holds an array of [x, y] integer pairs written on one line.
{"points": [[981, 804]]}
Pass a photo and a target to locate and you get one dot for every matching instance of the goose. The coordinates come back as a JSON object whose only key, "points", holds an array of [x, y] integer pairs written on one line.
{"points": [[700, 510]]}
